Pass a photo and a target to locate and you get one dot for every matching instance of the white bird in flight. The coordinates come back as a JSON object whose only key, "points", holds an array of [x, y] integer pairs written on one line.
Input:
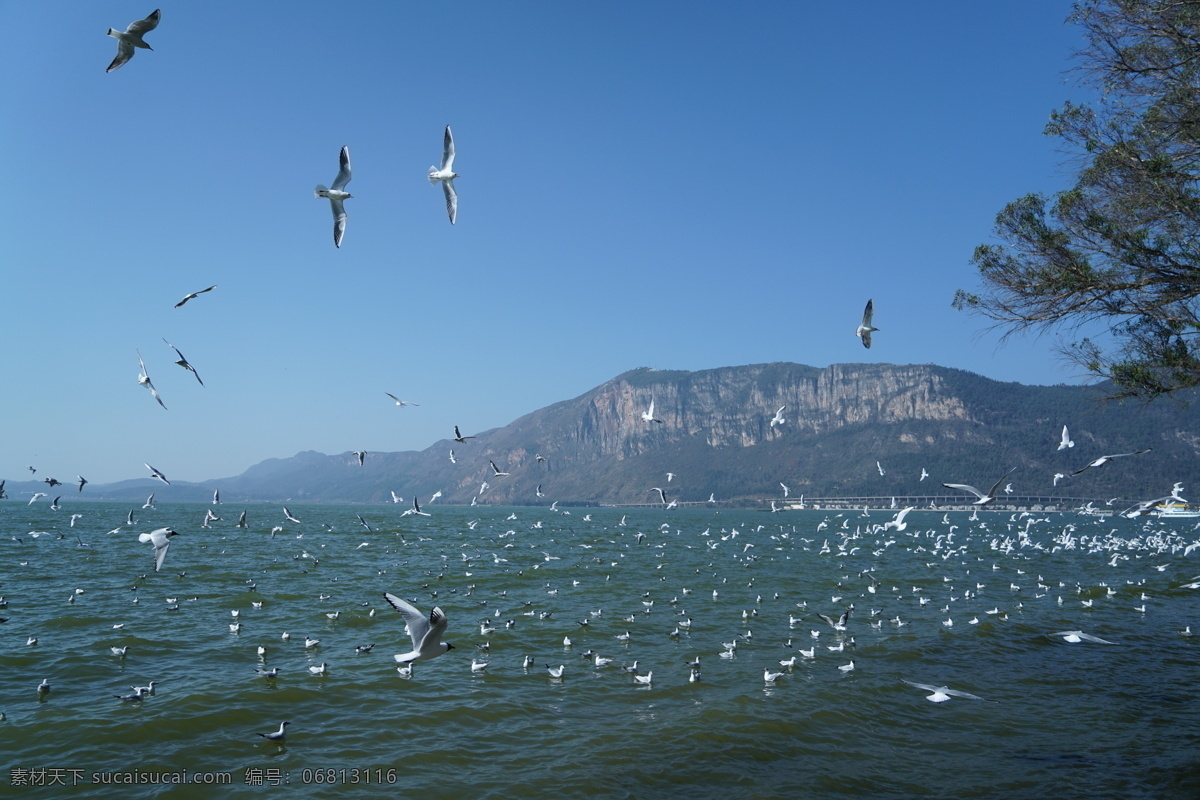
{"points": [[401, 403], [1102, 460], [1066, 440], [941, 694], [426, 634], [337, 195], [1075, 637], [778, 418], [648, 415], [156, 474], [984, 499], [131, 37], [447, 175], [193, 295], [144, 380], [183, 362], [161, 539], [865, 328]]}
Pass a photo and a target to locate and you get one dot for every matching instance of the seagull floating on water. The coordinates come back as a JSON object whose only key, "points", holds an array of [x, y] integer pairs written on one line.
{"points": [[277, 736], [447, 175], [337, 195], [131, 37]]}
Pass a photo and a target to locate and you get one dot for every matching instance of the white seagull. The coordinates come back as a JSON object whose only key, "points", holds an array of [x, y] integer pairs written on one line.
{"points": [[277, 736], [183, 362], [778, 418], [941, 694], [984, 499], [426, 634], [1066, 440], [865, 328], [156, 474], [288, 516], [1102, 460], [161, 539], [401, 403], [1075, 637], [447, 175], [648, 416], [144, 380], [131, 37], [193, 295], [337, 195]]}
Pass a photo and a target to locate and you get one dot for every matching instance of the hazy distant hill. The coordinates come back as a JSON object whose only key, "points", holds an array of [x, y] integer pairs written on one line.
{"points": [[716, 437]]}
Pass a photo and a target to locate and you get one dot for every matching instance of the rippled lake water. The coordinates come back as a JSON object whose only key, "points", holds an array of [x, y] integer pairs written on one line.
{"points": [[949, 601]]}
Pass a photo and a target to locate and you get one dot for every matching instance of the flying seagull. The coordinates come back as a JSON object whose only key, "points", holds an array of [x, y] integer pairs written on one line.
{"points": [[1102, 460], [156, 474], [778, 418], [1075, 637], [865, 328], [496, 469], [144, 380], [131, 37], [1066, 440], [458, 437], [82, 481], [447, 175], [336, 195], [648, 415], [416, 509], [361, 455], [288, 516], [161, 539], [183, 362], [984, 499], [194, 294], [426, 633], [401, 403], [941, 694]]}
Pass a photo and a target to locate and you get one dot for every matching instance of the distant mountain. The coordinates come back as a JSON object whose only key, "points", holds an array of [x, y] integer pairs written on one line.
{"points": [[841, 424]]}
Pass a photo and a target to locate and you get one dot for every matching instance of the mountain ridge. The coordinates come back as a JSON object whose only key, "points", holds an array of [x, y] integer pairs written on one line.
{"points": [[843, 423]]}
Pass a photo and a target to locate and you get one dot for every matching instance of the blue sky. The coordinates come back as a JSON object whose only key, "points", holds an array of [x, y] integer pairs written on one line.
{"points": [[674, 185]]}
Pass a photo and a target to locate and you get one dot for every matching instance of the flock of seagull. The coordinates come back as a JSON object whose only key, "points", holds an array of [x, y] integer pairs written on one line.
{"points": [[976, 573], [426, 630]]}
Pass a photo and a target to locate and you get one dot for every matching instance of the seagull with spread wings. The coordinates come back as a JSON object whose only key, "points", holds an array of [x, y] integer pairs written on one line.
{"points": [[131, 37], [337, 194], [1102, 460], [984, 499], [183, 362], [144, 380], [194, 295], [866, 327], [401, 403], [447, 175], [426, 633]]}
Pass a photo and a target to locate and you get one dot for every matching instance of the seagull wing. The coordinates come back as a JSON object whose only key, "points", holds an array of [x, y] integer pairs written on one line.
{"points": [[997, 485], [124, 53], [144, 26], [418, 625], [868, 315], [339, 220], [448, 152], [965, 488], [343, 176], [451, 198], [957, 693]]}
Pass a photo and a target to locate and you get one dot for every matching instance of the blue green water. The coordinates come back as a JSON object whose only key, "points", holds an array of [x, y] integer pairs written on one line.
{"points": [[1058, 719]]}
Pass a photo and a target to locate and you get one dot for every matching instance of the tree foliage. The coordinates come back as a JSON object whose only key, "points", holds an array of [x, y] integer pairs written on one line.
{"points": [[1122, 246]]}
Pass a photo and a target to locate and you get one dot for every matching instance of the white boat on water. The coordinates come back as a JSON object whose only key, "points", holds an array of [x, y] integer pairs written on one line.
{"points": [[1175, 511]]}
